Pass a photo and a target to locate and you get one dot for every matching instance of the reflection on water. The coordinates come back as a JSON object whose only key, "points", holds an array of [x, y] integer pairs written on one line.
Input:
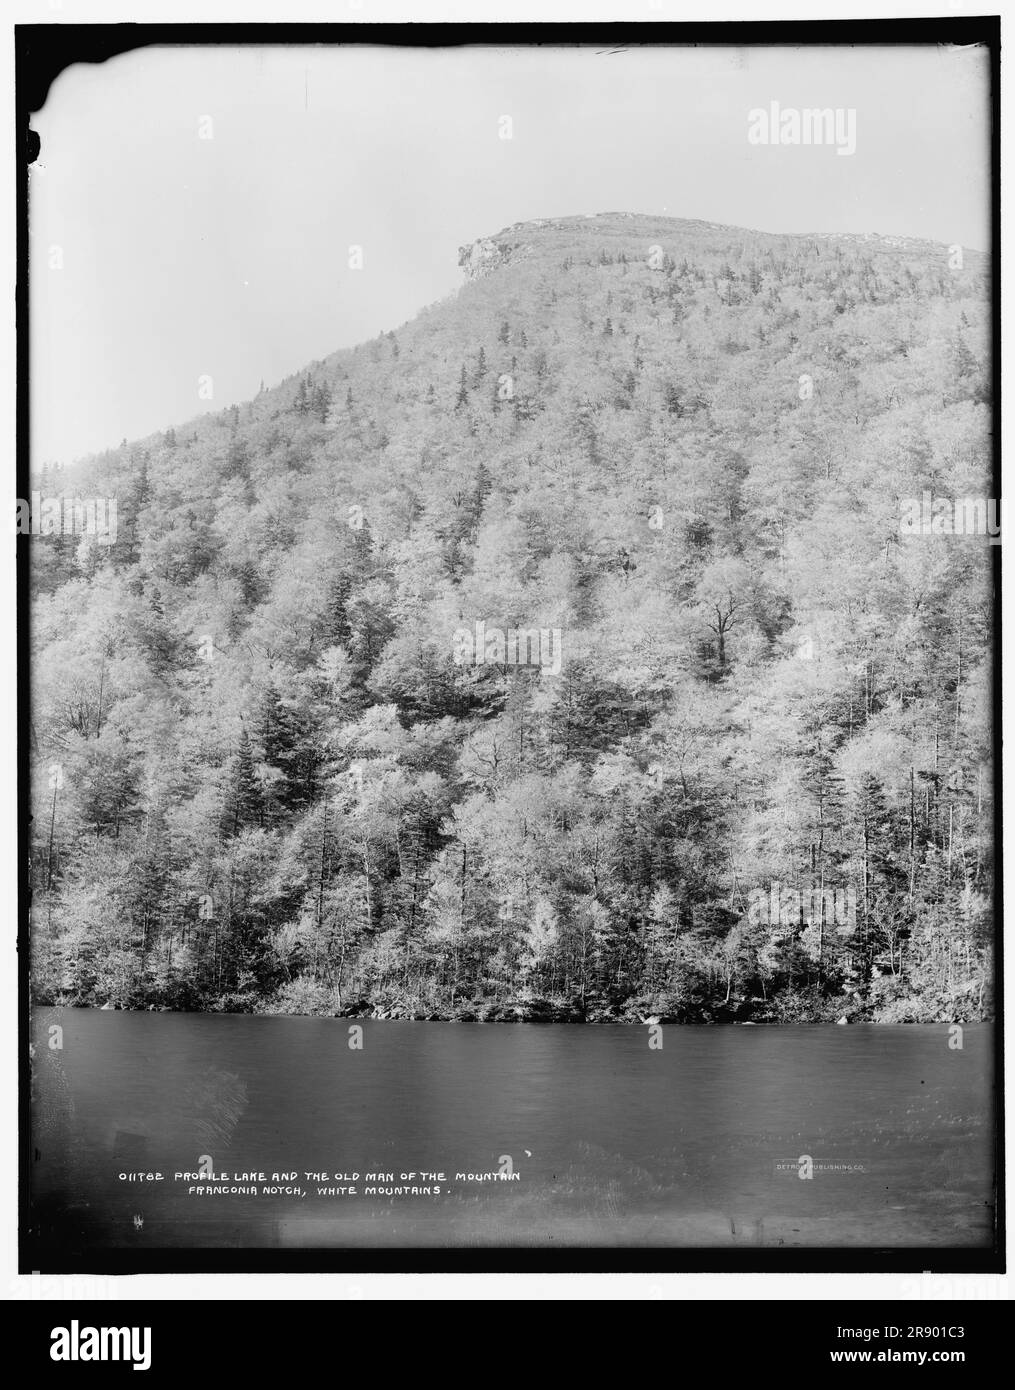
{"points": [[701, 1143]]}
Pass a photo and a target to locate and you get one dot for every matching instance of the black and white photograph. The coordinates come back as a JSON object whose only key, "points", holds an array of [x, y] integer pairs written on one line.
{"points": [[509, 553]]}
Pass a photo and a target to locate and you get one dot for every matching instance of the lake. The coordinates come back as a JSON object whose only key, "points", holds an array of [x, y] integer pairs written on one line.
{"points": [[723, 1137]]}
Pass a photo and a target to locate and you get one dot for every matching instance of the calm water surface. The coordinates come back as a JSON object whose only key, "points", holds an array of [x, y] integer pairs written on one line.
{"points": [[698, 1144]]}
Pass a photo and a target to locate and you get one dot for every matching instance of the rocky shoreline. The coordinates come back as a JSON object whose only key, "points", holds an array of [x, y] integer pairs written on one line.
{"points": [[546, 1011]]}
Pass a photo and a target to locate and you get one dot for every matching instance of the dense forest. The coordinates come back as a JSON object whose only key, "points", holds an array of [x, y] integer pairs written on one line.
{"points": [[755, 784]]}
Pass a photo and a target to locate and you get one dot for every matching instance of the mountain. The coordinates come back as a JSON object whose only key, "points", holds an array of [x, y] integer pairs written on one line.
{"points": [[564, 654]]}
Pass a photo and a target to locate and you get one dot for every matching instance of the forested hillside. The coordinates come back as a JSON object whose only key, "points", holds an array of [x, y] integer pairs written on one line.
{"points": [[758, 785]]}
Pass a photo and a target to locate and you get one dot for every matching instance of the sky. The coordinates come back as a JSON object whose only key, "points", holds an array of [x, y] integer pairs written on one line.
{"points": [[192, 209]]}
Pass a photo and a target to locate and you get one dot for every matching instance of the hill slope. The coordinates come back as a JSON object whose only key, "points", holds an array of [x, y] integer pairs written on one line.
{"points": [[747, 772]]}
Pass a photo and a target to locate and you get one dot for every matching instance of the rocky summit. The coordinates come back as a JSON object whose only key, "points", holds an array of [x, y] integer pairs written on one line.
{"points": [[634, 234]]}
